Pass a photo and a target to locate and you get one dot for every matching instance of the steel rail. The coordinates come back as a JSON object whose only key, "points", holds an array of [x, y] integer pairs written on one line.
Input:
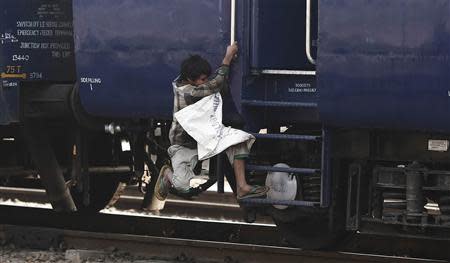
{"points": [[214, 231], [181, 217], [195, 250]]}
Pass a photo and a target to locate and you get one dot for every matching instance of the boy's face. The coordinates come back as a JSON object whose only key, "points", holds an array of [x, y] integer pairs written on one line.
{"points": [[201, 80]]}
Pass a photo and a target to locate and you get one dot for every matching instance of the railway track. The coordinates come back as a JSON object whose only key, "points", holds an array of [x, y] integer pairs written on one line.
{"points": [[144, 224], [204, 220], [188, 250]]}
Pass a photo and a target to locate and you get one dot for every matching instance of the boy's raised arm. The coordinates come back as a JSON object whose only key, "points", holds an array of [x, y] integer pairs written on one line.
{"points": [[215, 85]]}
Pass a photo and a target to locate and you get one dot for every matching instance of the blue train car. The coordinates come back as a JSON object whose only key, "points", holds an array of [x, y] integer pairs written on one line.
{"points": [[126, 72], [384, 92], [347, 100], [128, 53], [388, 79]]}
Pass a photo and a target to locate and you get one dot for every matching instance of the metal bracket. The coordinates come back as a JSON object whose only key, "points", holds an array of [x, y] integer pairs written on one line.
{"points": [[353, 197]]}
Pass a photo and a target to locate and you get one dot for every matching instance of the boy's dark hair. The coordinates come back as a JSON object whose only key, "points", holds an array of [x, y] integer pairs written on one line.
{"points": [[193, 67]]}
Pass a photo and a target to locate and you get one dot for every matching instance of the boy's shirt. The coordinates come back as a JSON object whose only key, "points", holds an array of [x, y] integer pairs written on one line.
{"points": [[185, 95]]}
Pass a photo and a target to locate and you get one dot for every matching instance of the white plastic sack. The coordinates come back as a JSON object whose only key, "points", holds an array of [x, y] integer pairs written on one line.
{"points": [[203, 121]]}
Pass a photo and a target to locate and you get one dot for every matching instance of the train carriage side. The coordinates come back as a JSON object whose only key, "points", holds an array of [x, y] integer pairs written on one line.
{"points": [[383, 77], [128, 53]]}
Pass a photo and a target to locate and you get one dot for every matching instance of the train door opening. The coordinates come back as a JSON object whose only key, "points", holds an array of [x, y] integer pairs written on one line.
{"points": [[280, 102]]}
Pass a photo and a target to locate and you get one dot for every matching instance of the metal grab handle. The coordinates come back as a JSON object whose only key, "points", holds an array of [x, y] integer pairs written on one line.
{"points": [[233, 22], [308, 33]]}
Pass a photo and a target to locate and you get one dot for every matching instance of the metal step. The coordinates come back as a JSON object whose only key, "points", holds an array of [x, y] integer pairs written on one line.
{"points": [[287, 137], [263, 201], [280, 104], [268, 168]]}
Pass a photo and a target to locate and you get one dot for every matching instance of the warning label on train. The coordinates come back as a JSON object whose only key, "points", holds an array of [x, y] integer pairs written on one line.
{"points": [[38, 39]]}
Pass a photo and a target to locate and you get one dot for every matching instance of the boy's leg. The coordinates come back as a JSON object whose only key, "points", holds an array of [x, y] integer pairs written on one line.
{"points": [[236, 155], [183, 162]]}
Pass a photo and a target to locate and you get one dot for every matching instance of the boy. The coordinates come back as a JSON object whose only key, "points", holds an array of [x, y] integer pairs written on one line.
{"points": [[190, 87]]}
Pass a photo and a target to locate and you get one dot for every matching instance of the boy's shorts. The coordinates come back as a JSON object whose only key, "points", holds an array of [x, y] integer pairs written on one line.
{"points": [[185, 159]]}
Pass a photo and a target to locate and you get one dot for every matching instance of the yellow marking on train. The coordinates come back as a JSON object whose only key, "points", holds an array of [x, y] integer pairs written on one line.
{"points": [[14, 76]]}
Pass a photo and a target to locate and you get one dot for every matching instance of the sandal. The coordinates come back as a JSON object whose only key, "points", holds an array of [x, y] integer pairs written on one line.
{"points": [[255, 191]]}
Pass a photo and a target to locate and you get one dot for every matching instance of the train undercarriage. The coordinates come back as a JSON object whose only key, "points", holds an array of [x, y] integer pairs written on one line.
{"points": [[81, 167], [402, 185], [357, 180]]}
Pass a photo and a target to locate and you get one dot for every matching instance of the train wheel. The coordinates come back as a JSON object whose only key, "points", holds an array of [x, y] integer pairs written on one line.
{"points": [[102, 190]]}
